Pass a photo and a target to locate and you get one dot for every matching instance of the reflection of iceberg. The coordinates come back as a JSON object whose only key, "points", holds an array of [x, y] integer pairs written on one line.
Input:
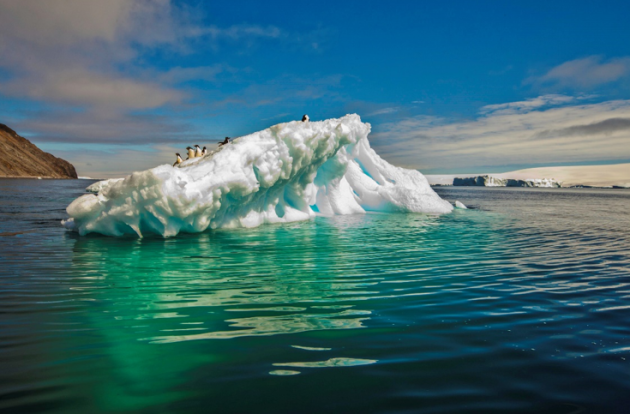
{"points": [[267, 281], [233, 290], [332, 362], [283, 372], [289, 172], [275, 325]]}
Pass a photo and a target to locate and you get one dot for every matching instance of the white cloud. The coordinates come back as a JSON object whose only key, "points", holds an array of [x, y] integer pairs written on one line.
{"points": [[94, 52], [69, 51], [527, 132], [585, 73]]}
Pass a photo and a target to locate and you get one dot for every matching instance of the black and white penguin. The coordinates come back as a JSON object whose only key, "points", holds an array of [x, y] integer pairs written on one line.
{"points": [[179, 159], [204, 151], [305, 118], [198, 151], [225, 141], [191, 152]]}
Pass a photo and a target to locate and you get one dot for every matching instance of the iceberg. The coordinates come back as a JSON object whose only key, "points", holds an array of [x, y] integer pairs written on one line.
{"points": [[289, 172]]}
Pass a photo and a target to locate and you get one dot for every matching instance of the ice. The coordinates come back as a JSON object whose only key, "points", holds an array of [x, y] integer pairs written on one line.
{"points": [[289, 172], [100, 185], [490, 181], [459, 204], [544, 182]]}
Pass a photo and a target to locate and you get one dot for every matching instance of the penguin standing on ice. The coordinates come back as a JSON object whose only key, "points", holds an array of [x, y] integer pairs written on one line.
{"points": [[204, 151], [191, 152], [198, 152], [179, 159], [305, 118], [225, 141]]}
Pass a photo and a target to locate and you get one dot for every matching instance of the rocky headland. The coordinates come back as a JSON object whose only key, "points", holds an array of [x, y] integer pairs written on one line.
{"points": [[20, 158]]}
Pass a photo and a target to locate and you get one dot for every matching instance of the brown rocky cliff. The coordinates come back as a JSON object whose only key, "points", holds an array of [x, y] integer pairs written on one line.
{"points": [[21, 158]]}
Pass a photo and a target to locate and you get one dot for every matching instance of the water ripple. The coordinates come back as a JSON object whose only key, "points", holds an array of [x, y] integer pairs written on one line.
{"points": [[518, 306]]}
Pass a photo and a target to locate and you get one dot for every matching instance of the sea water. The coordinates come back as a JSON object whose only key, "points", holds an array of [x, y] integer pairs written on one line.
{"points": [[519, 304]]}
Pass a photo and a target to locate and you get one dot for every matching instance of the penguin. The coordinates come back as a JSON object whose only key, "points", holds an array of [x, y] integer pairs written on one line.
{"points": [[198, 152], [179, 159], [305, 118], [204, 151], [225, 141], [191, 153]]}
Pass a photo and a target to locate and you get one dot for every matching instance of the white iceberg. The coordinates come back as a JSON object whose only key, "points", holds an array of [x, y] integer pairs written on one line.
{"points": [[292, 171]]}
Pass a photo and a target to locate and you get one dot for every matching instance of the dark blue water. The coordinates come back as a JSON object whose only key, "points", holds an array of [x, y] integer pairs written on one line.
{"points": [[519, 305]]}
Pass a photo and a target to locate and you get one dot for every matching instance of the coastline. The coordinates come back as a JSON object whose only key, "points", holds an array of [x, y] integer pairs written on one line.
{"points": [[34, 177]]}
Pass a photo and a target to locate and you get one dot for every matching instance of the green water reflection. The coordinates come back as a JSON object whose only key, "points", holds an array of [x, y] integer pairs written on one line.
{"points": [[161, 305]]}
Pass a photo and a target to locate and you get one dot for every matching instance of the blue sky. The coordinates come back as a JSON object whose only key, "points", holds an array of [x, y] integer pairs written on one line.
{"points": [[115, 86]]}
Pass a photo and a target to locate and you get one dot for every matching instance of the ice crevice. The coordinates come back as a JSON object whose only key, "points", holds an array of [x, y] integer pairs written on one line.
{"points": [[289, 172]]}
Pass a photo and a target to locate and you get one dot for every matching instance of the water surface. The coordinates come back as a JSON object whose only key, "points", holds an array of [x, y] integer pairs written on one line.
{"points": [[520, 304]]}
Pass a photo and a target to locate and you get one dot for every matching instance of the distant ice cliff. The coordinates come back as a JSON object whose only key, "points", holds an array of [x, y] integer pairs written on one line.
{"points": [[289, 172], [489, 181]]}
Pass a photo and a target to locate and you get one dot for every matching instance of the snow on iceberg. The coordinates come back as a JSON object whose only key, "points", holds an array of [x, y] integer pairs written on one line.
{"points": [[292, 171], [100, 185]]}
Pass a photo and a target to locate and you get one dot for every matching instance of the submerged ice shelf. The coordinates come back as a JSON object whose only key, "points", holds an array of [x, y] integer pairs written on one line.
{"points": [[289, 172]]}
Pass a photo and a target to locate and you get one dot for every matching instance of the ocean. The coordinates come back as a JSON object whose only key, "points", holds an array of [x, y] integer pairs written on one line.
{"points": [[520, 304]]}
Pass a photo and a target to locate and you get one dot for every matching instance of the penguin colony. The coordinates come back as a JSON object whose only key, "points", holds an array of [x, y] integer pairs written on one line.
{"points": [[199, 152]]}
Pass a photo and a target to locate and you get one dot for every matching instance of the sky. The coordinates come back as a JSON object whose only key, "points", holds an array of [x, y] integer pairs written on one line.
{"points": [[115, 86]]}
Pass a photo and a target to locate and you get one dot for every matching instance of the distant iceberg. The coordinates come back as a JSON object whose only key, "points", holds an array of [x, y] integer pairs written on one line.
{"points": [[292, 171]]}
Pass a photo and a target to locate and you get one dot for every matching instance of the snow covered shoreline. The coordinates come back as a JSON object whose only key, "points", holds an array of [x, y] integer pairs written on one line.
{"points": [[601, 176], [288, 172]]}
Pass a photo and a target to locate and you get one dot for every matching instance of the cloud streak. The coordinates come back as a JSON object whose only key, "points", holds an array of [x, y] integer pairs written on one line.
{"points": [[527, 105], [82, 87], [605, 127], [104, 127], [546, 129], [584, 73], [384, 111]]}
